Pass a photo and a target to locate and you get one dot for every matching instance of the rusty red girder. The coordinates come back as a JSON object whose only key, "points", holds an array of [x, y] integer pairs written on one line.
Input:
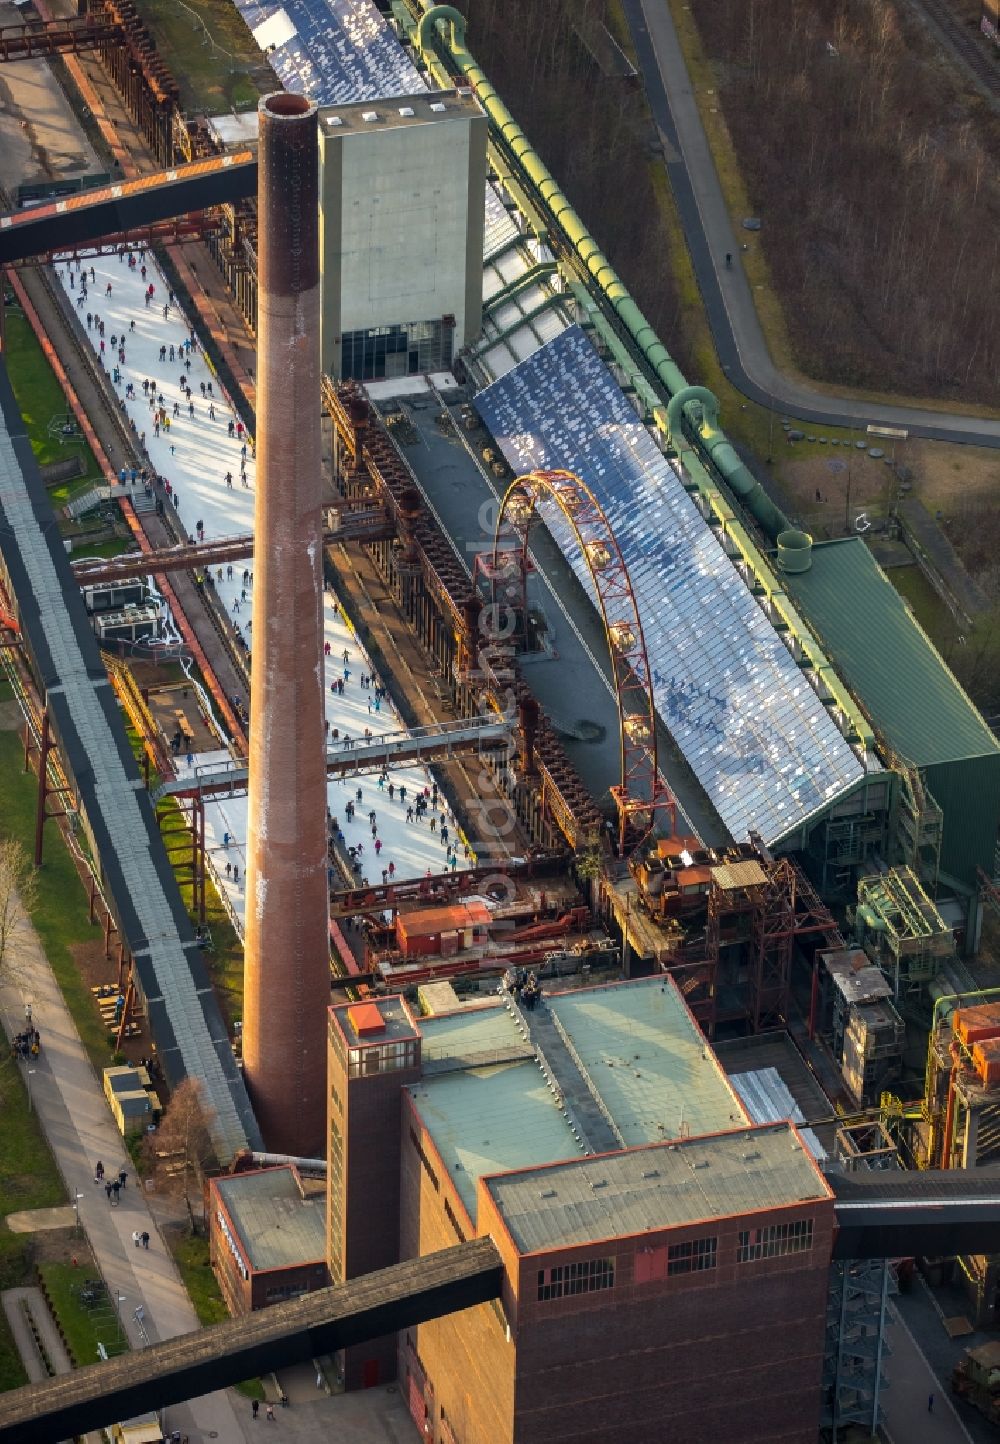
{"points": [[642, 789], [193, 227], [39, 38]]}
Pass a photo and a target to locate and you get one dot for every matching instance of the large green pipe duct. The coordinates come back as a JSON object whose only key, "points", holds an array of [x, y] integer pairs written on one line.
{"points": [[871, 920], [737, 477], [586, 247], [727, 463]]}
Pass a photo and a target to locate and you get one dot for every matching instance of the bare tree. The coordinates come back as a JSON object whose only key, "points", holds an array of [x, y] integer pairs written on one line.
{"points": [[18, 895], [180, 1152]]}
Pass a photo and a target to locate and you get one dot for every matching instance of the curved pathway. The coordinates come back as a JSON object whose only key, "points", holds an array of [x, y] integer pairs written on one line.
{"points": [[708, 230]]}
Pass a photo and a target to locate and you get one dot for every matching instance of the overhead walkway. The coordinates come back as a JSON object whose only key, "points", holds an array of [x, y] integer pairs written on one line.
{"points": [[274, 1338], [930, 1213], [117, 817], [69, 223], [351, 758]]}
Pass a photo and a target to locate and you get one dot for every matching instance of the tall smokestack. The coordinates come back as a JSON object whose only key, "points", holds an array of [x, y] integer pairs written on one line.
{"points": [[286, 969]]}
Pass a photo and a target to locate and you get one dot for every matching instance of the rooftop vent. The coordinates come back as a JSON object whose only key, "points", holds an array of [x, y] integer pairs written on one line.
{"points": [[547, 1193], [369, 115], [651, 1173], [598, 1183], [406, 110], [436, 105], [334, 120]]}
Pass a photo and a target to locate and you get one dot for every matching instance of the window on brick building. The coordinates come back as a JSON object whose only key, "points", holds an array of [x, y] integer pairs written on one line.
{"points": [[576, 1278], [692, 1256], [425, 1161], [450, 1212], [775, 1241]]}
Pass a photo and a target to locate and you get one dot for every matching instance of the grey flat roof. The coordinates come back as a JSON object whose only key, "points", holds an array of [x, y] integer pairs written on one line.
{"points": [[649, 1062], [424, 108], [641, 1056], [473, 1037], [276, 1225], [490, 1120], [664, 1186]]}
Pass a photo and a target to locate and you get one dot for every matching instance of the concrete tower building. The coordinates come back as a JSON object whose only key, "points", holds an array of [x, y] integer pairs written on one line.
{"points": [[402, 232], [287, 975]]}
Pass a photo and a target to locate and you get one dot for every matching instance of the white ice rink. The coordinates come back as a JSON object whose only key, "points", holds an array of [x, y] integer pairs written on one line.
{"points": [[194, 455]]}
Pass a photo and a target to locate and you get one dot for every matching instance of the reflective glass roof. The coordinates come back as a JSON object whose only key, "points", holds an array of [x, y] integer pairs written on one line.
{"points": [[757, 736], [500, 225], [342, 50]]}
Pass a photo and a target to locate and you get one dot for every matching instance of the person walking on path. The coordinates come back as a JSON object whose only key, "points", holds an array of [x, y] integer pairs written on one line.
{"points": [[270, 1413], [255, 1409], [930, 1403], [99, 1171], [145, 1239], [136, 1237], [122, 1177]]}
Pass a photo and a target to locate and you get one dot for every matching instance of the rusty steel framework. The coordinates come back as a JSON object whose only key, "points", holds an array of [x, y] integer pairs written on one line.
{"points": [[642, 790], [433, 593], [196, 226], [41, 39]]}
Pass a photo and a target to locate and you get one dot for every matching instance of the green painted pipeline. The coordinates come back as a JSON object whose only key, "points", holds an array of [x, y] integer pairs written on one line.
{"points": [[740, 480]]}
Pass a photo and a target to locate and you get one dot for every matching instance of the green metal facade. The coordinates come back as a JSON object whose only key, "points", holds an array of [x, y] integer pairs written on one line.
{"points": [[911, 696]]}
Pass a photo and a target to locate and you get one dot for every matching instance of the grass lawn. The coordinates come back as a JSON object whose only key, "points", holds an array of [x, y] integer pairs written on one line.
{"points": [[210, 52], [225, 958], [82, 1327], [15, 1272], [28, 1179], [61, 914], [28, 1174], [42, 403], [191, 1256], [112, 548]]}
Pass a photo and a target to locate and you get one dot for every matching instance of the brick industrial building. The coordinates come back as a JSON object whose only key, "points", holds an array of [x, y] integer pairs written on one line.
{"points": [[265, 1238], [666, 1262]]}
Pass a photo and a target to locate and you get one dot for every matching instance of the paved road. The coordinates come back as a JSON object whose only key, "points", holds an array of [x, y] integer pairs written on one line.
{"points": [[80, 1129], [710, 236], [911, 1382]]}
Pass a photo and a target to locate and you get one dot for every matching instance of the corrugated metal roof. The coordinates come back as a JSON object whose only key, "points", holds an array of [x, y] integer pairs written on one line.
{"points": [[732, 875], [276, 1225], [886, 658], [767, 1099], [184, 1015], [665, 1186], [428, 922]]}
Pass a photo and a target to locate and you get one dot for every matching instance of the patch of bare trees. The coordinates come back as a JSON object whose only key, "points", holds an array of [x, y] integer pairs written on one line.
{"points": [[180, 1152], [18, 895], [872, 174], [592, 131]]}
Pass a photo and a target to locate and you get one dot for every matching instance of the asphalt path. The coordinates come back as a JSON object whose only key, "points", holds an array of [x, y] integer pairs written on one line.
{"points": [[728, 300]]}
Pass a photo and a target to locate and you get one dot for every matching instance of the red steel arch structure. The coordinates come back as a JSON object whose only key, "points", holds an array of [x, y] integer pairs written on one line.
{"points": [[642, 789]]}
